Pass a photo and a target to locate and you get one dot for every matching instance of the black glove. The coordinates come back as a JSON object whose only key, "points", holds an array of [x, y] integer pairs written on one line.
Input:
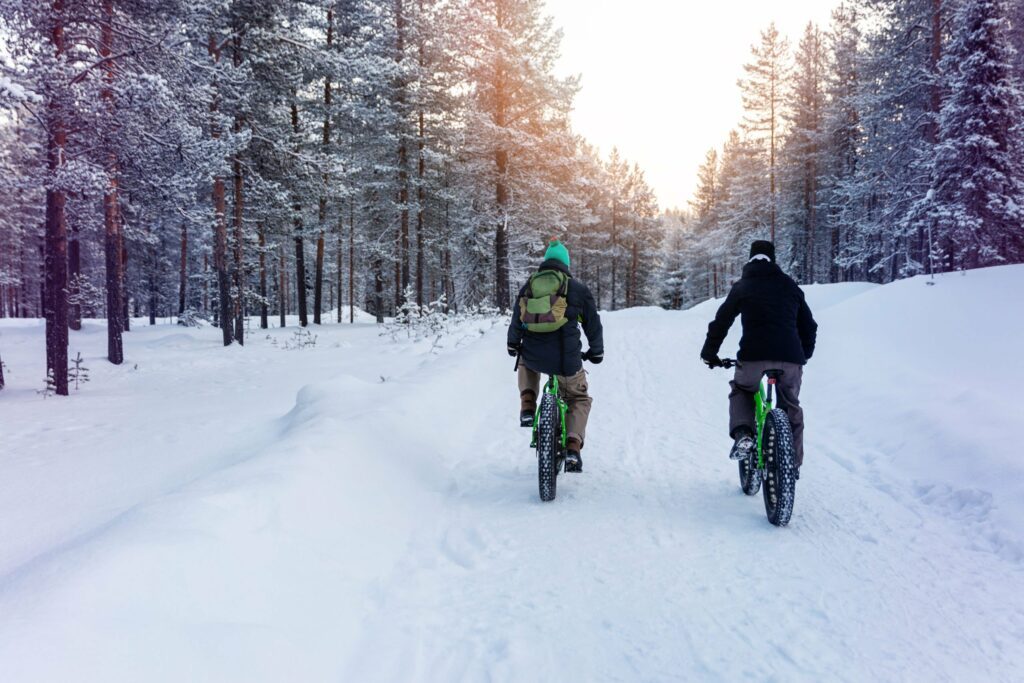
{"points": [[513, 349], [712, 361], [594, 358]]}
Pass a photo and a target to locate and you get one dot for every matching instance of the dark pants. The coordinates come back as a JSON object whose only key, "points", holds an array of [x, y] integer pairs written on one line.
{"points": [[741, 399]]}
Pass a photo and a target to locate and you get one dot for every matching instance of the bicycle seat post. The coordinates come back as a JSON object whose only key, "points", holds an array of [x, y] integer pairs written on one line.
{"points": [[771, 384]]}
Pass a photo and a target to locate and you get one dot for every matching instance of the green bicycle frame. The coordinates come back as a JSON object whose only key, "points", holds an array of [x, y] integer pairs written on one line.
{"points": [[762, 407], [551, 388]]}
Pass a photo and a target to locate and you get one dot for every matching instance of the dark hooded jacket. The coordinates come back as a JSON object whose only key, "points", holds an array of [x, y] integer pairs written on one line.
{"points": [[777, 323], [559, 353]]}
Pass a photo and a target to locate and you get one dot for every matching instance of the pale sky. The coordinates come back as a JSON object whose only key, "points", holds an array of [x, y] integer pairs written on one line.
{"points": [[659, 76]]}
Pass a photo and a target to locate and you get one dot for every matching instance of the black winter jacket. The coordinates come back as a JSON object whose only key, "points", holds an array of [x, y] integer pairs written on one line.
{"points": [[777, 324], [558, 353]]}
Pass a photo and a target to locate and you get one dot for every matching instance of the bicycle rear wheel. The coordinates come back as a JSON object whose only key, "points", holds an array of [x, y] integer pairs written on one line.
{"points": [[547, 447], [780, 467]]}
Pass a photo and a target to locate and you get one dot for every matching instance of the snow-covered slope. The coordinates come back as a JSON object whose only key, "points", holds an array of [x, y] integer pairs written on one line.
{"points": [[367, 510]]}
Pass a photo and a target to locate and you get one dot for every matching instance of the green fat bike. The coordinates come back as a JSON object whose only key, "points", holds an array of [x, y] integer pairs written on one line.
{"points": [[771, 465], [549, 438]]}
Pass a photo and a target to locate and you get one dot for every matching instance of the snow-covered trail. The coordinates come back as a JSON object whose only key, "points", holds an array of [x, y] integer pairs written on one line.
{"points": [[652, 565], [391, 531]]}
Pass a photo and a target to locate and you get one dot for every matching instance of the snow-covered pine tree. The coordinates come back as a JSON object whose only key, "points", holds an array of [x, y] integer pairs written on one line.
{"points": [[764, 102], [519, 108], [803, 154], [976, 201], [841, 191]]}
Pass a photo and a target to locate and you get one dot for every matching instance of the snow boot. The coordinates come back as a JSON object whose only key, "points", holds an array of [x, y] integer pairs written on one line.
{"points": [[573, 459], [743, 445], [527, 407]]}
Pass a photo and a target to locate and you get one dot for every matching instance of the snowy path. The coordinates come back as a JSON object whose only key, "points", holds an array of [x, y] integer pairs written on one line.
{"points": [[391, 531], [653, 566]]}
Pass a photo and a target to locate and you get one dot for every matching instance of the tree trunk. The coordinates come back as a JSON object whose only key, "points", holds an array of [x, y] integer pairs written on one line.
{"points": [[300, 271], [183, 270], [74, 277], [421, 169], [282, 288], [112, 224], [239, 298], [378, 289], [56, 256], [56, 302], [934, 107], [633, 265], [420, 201], [206, 285], [300, 248], [352, 260], [264, 323], [318, 287], [239, 208], [501, 264], [403, 159], [152, 302], [126, 318], [220, 242], [615, 248], [339, 255]]}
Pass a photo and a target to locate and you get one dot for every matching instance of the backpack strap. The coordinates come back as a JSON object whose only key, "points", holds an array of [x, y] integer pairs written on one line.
{"points": [[564, 289]]}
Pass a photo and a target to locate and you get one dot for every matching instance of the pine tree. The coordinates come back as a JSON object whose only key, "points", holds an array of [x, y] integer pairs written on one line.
{"points": [[976, 202], [519, 109], [841, 190], [763, 92], [804, 150]]}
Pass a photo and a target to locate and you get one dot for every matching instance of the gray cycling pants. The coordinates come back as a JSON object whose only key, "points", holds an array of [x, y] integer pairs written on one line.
{"points": [[741, 398]]}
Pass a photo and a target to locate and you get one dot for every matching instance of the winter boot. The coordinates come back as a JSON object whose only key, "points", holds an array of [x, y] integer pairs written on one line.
{"points": [[744, 444], [573, 459], [527, 407]]}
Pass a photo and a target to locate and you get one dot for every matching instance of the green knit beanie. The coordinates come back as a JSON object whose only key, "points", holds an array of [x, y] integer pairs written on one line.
{"points": [[557, 251]]}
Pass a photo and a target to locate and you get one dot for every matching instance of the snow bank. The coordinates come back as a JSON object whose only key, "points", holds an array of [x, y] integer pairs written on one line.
{"points": [[920, 383]]}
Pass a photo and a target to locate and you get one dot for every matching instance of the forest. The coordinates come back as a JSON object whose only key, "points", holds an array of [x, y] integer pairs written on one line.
{"points": [[886, 145], [240, 161]]}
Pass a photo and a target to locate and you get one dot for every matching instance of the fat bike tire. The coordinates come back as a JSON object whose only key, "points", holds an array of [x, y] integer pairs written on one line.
{"points": [[779, 486], [750, 476], [547, 448]]}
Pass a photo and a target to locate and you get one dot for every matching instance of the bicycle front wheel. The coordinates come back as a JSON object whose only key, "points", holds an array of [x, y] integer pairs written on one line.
{"points": [[780, 467], [547, 447]]}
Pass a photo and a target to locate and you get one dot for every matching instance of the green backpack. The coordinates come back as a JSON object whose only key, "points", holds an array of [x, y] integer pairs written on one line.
{"points": [[543, 303]]}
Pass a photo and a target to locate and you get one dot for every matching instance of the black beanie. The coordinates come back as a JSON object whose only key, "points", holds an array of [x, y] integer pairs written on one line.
{"points": [[762, 247]]}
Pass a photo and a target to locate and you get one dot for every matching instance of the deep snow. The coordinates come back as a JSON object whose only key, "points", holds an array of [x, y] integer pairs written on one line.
{"points": [[367, 509]]}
